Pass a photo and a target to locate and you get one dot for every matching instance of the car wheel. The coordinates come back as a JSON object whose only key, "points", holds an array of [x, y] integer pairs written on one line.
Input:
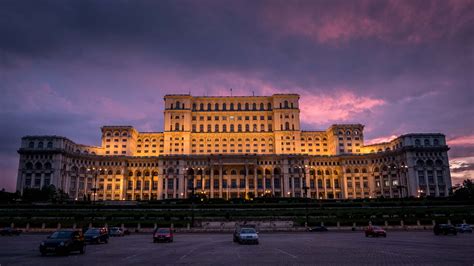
{"points": [[83, 249]]}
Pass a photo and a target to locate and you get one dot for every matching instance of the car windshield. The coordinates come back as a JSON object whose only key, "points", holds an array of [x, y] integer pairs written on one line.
{"points": [[376, 227], [60, 235], [248, 231], [163, 231], [93, 231]]}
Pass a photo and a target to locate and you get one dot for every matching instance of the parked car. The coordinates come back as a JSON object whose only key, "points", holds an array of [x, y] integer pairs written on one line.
{"points": [[97, 235], [246, 235], [375, 231], [464, 228], [115, 231], [317, 229], [63, 242], [238, 227], [9, 231], [163, 235], [444, 229]]}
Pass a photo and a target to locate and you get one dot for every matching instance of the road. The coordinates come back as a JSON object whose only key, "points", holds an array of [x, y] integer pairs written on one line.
{"points": [[408, 248]]}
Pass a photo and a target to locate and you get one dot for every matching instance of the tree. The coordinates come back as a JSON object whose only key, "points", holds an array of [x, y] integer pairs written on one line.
{"points": [[465, 191]]}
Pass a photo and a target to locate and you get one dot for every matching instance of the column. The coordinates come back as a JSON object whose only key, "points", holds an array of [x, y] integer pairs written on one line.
{"points": [[255, 183], [246, 180], [292, 186], [211, 183], [435, 176], [160, 187], [427, 189], [220, 181]]}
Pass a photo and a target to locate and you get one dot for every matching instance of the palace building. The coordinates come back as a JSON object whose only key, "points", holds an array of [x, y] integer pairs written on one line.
{"points": [[236, 147]]}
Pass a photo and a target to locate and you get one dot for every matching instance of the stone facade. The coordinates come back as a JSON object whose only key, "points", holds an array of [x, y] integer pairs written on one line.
{"points": [[230, 147]]}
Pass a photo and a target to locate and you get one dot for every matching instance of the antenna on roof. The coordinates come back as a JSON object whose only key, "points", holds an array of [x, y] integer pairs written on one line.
{"points": [[230, 91], [253, 93]]}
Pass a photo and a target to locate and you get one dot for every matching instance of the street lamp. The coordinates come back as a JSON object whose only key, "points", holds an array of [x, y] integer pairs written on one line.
{"points": [[305, 189], [95, 172], [192, 194]]}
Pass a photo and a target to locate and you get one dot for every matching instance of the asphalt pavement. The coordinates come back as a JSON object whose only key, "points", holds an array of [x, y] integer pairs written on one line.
{"points": [[341, 248]]}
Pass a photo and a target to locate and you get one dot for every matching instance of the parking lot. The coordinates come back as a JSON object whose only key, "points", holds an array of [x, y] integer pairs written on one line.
{"points": [[275, 248]]}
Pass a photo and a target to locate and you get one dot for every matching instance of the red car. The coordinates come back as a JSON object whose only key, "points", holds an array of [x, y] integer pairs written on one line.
{"points": [[375, 231], [163, 235]]}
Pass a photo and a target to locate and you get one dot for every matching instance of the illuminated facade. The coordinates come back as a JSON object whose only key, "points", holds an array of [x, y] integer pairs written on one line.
{"points": [[231, 147]]}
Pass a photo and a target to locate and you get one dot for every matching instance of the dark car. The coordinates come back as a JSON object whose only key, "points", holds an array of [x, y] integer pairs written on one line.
{"points": [[444, 229], [375, 231], [317, 229], [63, 242], [163, 235], [246, 235], [8, 231], [97, 235], [115, 231]]}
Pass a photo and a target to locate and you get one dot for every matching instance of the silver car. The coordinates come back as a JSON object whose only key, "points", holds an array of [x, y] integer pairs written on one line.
{"points": [[464, 228], [247, 236]]}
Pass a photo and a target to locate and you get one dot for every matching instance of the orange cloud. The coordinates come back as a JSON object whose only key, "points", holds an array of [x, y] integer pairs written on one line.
{"points": [[380, 140], [462, 141], [341, 106]]}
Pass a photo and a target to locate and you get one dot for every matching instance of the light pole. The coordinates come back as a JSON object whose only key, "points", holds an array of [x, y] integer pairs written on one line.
{"points": [[305, 189], [192, 195], [95, 172]]}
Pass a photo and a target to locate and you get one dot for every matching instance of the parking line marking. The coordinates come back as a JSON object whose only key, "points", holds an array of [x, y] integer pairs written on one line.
{"points": [[185, 255], [284, 252], [129, 257]]}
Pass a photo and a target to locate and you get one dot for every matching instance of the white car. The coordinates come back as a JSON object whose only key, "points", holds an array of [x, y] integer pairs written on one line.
{"points": [[463, 228], [247, 235]]}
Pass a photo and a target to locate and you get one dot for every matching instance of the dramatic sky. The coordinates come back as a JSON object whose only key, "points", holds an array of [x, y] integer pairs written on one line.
{"points": [[69, 67]]}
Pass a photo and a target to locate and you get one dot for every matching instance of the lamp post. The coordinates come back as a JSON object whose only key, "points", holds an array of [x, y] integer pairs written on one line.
{"points": [[305, 189], [192, 195], [95, 172]]}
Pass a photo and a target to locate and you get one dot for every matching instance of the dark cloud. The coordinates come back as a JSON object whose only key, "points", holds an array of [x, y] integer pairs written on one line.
{"points": [[68, 67]]}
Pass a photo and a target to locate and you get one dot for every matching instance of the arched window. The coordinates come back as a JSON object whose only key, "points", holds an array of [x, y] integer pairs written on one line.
{"points": [[118, 172], [224, 106], [233, 172], [417, 142], [231, 128], [29, 166], [269, 107], [49, 145], [427, 142], [262, 106], [435, 142], [47, 166], [285, 104], [40, 145], [110, 172], [247, 127], [178, 105], [232, 106], [31, 145], [246, 106], [194, 107], [201, 106], [239, 128], [108, 134], [216, 107], [254, 106], [209, 107], [176, 127], [239, 106], [287, 126], [38, 166]]}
